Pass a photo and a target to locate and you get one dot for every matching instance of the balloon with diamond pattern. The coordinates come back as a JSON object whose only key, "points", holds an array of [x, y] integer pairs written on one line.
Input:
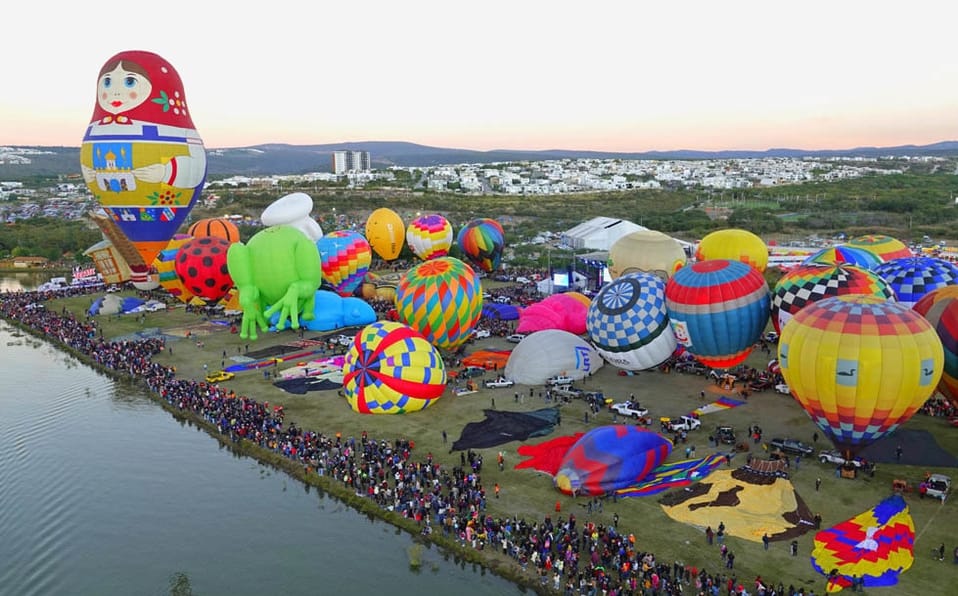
{"points": [[442, 299]]}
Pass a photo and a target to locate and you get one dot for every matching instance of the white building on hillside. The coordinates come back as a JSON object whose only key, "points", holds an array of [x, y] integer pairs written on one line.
{"points": [[599, 233]]}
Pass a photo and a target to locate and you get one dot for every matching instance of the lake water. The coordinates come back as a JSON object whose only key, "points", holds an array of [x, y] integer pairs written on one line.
{"points": [[102, 492]]}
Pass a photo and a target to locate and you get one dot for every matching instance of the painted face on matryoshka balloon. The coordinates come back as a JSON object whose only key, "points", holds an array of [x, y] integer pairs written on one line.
{"points": [[123, 88]]}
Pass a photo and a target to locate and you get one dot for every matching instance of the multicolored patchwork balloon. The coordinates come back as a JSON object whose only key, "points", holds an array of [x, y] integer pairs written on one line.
{"points": [[940, 308], [718, 309], [392, 369], [913, 277], [610, 458], [141, 156], [874, 547], [805, 284], [884, 247], [165, 264], [844, 255], [860, 366], [628, 323], [429, 236], [345, 257], [442, 299], [482, 241], [736, 245]]}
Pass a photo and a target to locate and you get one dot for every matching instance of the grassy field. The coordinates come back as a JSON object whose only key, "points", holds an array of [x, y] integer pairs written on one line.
{"points": [[530, 494]]}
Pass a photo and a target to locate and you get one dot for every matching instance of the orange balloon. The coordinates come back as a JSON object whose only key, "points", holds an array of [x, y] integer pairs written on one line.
{"points": [[215, 226]]}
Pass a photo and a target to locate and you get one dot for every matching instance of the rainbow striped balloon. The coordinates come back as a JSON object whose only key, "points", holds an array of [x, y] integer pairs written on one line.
{"points": [[844, 255], [718, 309], [391, 369], [940, 308], [345, 257], [429, 236], [860, 366], [885, 248], [482, 241], [442, 299], [165, 264]]}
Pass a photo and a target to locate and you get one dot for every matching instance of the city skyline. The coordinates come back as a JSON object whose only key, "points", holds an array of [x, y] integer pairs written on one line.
{"points": [[499, 75]]}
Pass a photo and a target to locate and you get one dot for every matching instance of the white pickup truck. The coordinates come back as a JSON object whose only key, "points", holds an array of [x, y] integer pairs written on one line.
{"points": [[686, 423], [630, 409], [498, 383], [559, 380]]}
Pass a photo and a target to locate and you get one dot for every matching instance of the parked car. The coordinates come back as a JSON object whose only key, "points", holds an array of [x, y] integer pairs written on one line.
{"points": [[516, 338], [481, 333], [567, 392], [472, 371], [218, 376], [686, 423], [559, 380], [691, 367], [344, 340], [759, 384], [499, 382], [771, 337], [783, 389], [835, 457], [523, 280], [630, 409], [938, 486], [725, 434], [791, 446]]}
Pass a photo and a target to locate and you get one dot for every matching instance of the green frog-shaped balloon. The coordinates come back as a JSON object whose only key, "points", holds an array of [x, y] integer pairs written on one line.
{"points": [[277, 271]]}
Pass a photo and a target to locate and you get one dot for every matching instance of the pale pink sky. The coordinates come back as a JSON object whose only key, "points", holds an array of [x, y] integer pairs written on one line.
{"points": [[530, 74]]}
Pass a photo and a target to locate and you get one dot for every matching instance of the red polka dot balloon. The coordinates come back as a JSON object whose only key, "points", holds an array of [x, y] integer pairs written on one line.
{"points": [[201, 265]]}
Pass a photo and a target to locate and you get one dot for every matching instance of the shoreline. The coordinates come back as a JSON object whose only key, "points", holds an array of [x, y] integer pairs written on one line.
{"points": [[497, 565]]}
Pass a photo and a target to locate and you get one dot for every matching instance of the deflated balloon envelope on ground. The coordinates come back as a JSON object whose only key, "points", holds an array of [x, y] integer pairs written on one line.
{"points": [[141, 156], [718, 309], [442, 299], [628, 323], [874, 547], [392, 369], [552, 352], [840, 356], [429, 236]]}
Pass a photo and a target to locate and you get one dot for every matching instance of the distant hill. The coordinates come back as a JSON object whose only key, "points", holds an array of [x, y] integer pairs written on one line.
{"points": [[276, 158]]}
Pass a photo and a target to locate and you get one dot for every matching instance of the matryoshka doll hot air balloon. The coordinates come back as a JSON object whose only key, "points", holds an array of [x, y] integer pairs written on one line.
{"points": [[718, 309], [860, 366], [141, 156], [429, 236]]}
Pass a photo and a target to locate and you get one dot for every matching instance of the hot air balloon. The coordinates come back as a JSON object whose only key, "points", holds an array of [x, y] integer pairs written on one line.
{"points": [[628, 323], [885, 248], [913, 277], [429, 236], [609, 458], [646, 250], [215, 226], [735, 245], [165, 265], [385, 232], [873, 548], [802, 285], [718, 309], [558, 311], [552, 352], [442, 299], [141, 156], [345, 258], [844, 255], [482, 241], [391, 368], [201, 266], [940, 308], [860, 366]]}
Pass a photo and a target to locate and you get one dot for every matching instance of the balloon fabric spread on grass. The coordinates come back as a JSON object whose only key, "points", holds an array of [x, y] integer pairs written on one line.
{"points": [[500, 427], [860, 366], [874, 547], [141, 156], [391, 369]]}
